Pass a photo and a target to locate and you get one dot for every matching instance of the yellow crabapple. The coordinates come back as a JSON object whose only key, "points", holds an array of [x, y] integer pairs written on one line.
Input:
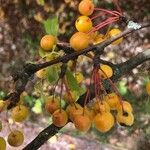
{"points": [[2, 143], [20, 113], [104, 122], [79, 41], [15, 138], [113, 33], [60, 118], [83, 24], [105, 71], [47, 42], [86, 7]]}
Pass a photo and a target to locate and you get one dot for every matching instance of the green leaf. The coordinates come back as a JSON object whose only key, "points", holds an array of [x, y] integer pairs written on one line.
{"points": [[51, 26], [73, 85], [42, 53], [53, 73], [37, 108], [123, 88]]}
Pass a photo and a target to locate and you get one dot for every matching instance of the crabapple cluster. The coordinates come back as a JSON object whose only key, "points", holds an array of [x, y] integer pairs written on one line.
{"points": [[87, 33], [100, 113], [106, 109]]}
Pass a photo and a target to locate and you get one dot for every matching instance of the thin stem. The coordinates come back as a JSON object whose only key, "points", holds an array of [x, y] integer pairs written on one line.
{"points": [[61, 89], [98, 15], [106, 22], [107, 11], [117, 5], [115, 89], [55, 89]]}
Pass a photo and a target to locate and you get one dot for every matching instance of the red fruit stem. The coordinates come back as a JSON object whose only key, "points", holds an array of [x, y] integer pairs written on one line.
{"points": [[104, 23], [107, 11], [115, 89], [98, 15]]}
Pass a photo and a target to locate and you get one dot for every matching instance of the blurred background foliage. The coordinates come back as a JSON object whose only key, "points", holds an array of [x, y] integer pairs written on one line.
{"points": [[24, 22]]}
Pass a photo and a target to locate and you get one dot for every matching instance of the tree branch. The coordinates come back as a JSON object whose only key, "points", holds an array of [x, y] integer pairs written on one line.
{"points": [[23, 76], [119, 71]]}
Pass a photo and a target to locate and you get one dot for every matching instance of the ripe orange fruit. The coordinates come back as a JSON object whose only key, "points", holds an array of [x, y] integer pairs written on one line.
{"points": [[15, 138], [83, 24], [73, 110], [60, 118], [104, 121], [126, 119], [82, 122], [105, 71], [126, 107], [47, 42], [2, 143], [101, 106], [86, 7], [148, 88], [20, 113], [79, 41], [52, 105], [112, 99], [114, 32]]}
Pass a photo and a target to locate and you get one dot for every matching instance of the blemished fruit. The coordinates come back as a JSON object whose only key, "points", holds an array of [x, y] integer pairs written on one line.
{"points": [[60, 118], [126, 107], [101, 106], [83, 24], [71, 97], [104, 121], [112, 100], [15, 138], [86, 7], [73, 110], [114, 32], [105, 71], [41, 73], [125, 119], [79, 77], [79, 41], [2, 143], [148, 88], [47, 42], [82, 122], [20, 113], [52, 105]]}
